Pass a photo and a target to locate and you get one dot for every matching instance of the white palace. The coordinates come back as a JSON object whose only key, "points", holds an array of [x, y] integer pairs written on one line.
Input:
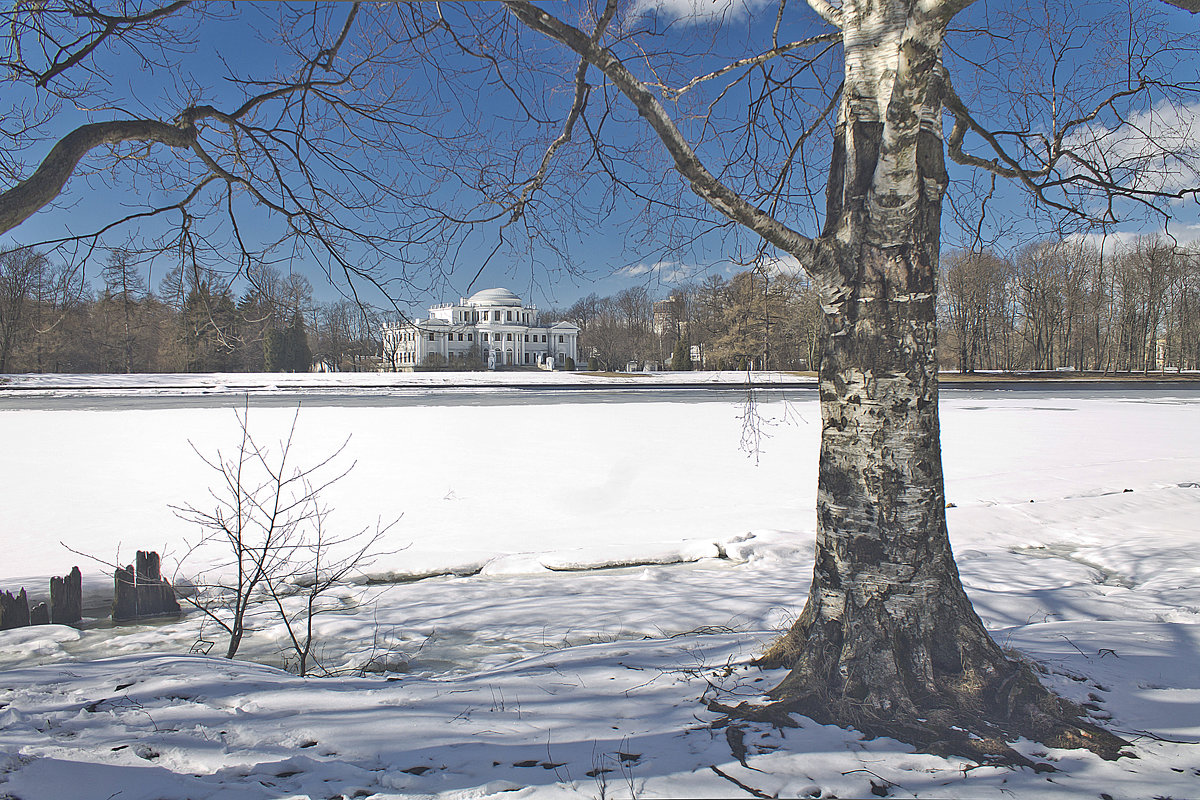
{"points": [[492, 328]]}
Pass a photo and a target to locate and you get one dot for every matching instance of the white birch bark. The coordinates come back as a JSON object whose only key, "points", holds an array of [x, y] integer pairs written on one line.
{"points": [[888, 641]]}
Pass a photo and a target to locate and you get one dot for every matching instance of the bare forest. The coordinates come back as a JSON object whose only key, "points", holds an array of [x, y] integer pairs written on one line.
{"points": [[1086, 305], [52, 320], [1050, 304]]}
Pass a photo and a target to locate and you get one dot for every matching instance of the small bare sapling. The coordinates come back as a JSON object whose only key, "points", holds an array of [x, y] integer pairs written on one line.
{"points": [[266, 546]]}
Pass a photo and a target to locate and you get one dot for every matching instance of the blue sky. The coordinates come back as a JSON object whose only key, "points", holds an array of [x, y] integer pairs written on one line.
{"points": [[613, 242]]}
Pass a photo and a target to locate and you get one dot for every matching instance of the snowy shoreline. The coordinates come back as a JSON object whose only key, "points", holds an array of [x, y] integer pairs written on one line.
{"points": [[256, 383]]}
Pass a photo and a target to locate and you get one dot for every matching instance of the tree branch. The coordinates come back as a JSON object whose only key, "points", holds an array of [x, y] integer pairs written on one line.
{"points": [[1084, 174], [112, 26], [27, 197], [749, 61], [689, 165], [1191, 6], [581, 95], [827, 11]]}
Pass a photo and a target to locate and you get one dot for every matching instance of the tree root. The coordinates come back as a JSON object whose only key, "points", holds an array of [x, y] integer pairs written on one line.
{"points": [[976, 722]]}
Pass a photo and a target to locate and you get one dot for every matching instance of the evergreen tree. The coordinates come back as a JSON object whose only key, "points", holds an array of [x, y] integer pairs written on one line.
{"points": [[209, 330], [681, 359], [299, 354], [274, 345]]}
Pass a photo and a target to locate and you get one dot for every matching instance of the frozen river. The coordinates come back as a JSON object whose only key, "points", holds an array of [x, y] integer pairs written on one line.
{"points": [[163, 398], [511, 480]]}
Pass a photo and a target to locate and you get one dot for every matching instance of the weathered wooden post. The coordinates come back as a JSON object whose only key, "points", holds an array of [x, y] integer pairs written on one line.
{"points": [[124, 594], [14, 610], [66, 604], [39, 614], [160, 596], [149, 592], [66, 598], [141, 591]]}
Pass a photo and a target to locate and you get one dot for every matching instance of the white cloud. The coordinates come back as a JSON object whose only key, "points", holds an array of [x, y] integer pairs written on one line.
{"points": [[1155, 150], [1183, 233], [700, 12], [781, 265], [663, 271]]}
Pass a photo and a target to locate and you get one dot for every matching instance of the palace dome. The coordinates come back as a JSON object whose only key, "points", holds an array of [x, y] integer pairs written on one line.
{"points": [[494, 297]]}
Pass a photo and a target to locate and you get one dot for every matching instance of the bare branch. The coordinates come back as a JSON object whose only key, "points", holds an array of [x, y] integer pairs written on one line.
{"points": [[581, 94], [1084, 172], [749, 61], [827, 11], [27, 197], [687, 162]]}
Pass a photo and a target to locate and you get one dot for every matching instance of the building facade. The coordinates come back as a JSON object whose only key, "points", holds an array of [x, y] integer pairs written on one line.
{"points": [[492, 328]]}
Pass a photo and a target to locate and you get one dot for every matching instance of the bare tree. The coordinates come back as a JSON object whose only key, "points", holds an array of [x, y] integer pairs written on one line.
{"points": [[124, 284], [322, 561], [1041, 270], [208, 159], [265, 538], [975, 289], [21, 273]]}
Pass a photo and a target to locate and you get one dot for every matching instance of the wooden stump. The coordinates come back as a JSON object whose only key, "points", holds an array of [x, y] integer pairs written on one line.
{"points": [[66, 598], [168, 602], [14, 610], [39, 614], [149, 591], [141, 591], [124, 594]]}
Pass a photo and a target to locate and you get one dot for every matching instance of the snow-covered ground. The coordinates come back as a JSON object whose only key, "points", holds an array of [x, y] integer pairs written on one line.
{"points": [[1076, 521]]}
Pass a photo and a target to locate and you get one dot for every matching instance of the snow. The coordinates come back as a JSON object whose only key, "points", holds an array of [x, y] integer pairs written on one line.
{"points": [[604, 570]]}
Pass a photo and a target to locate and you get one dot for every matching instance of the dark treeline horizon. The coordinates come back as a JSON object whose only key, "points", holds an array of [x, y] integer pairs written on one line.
{"points": [[1052, 304], [52, 320]]}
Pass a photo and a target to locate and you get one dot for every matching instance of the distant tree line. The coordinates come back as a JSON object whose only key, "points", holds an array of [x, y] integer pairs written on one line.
{"points": [[1072, 304], [52, 320], [1051, 304], [754, 320]]}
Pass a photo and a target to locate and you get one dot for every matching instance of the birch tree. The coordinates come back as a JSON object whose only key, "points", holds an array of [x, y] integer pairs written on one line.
{"points": [[888, 642]]}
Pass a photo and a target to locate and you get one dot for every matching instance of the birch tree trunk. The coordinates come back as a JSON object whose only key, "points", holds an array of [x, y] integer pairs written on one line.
{"points": [[888, 641]]}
